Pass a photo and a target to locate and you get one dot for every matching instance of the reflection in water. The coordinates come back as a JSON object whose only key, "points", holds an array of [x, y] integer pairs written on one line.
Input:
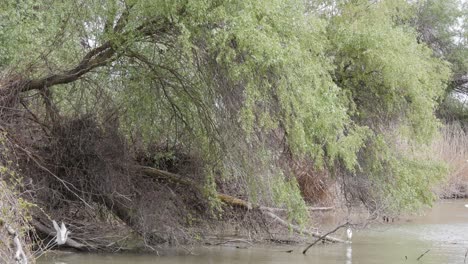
{"points": [[349, 254]]}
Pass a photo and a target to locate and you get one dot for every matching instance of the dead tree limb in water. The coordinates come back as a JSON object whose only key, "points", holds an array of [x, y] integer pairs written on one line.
{"points": [[422, 255], [301, 230], [324, 237]]}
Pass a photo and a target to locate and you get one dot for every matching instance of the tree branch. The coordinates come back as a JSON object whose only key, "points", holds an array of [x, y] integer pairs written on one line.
{"points": [[95, 58], [324, 236]]}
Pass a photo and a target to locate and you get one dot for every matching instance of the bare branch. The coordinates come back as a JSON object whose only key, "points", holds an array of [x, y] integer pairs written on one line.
{"points": [[324, 236]]}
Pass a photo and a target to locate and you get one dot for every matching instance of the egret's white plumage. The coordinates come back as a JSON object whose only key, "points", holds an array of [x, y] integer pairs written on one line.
{"points": [[62, 233], [349, 233]]}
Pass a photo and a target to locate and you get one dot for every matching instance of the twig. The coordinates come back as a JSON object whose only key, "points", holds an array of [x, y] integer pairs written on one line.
{"points": [[466, 253], [322, 237], [422, 255]]}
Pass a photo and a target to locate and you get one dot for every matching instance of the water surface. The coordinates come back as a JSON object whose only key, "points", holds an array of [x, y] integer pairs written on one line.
{"points": [[443, 231]]}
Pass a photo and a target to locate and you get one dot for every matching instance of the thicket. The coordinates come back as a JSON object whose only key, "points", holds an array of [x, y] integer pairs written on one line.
{"points": [[272, 101]]}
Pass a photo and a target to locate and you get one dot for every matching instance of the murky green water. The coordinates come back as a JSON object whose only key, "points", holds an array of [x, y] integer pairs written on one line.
{"points": [[443, 231]]}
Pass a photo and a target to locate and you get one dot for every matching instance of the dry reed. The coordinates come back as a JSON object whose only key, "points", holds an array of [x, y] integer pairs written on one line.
{"points": [[452, 148]]}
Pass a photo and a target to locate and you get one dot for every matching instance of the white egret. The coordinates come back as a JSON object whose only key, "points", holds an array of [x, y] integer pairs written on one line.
{"points": [[60, 239], [62, 233], [349, 233]]}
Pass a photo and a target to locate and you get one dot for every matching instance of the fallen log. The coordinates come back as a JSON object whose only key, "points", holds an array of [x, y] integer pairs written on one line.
{"points": [[227, 199], [233, 201]]}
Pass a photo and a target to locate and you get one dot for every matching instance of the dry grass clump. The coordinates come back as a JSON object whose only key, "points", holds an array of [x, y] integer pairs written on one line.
{"points": [[315, 184], [452, 148]]}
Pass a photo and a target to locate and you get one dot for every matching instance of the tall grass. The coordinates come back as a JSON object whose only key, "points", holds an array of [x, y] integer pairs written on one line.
{"points": [[452, 147]]}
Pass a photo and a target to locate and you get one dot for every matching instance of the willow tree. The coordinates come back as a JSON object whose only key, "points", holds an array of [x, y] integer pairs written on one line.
{"points": [[243, 84], [394, 83]]}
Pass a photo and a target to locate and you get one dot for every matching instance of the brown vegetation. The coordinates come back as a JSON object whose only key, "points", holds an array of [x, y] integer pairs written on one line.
{"points": [[316, 185], [452, 148]]}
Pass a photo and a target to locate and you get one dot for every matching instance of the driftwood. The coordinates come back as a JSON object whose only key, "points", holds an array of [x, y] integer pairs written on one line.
{"points": [[233, 201]]}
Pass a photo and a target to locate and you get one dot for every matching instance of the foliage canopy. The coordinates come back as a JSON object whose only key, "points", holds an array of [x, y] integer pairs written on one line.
{"points": [[244, 84]]}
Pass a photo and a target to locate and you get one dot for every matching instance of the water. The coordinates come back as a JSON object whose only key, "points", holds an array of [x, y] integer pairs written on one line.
{"points": [[443, 231]]}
